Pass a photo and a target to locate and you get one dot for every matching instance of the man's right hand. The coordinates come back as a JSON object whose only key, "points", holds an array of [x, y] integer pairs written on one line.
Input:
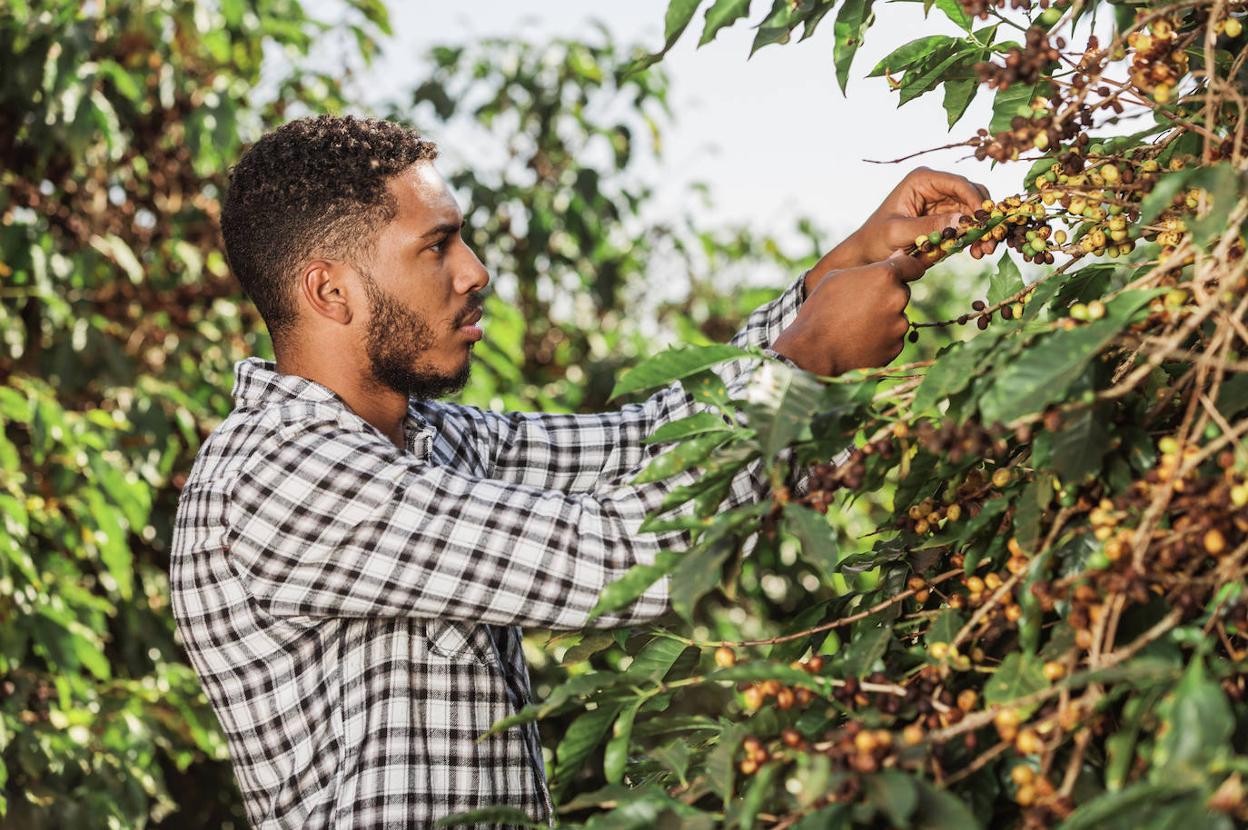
{"points": [[854, 318]]}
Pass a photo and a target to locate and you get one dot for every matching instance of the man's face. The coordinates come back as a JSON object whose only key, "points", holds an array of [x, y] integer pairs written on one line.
{"points": [[423, 290]]}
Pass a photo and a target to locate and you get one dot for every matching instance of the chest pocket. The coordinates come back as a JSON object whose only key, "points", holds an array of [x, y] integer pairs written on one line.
{"points": [[460, 642]]}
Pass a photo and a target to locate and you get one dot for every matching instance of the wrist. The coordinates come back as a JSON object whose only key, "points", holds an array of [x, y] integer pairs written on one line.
{"points": [[848, 253], [793, 345]]}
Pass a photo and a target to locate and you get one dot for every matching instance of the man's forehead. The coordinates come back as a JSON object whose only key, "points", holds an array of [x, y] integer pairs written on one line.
{"points": [[424, 199]]}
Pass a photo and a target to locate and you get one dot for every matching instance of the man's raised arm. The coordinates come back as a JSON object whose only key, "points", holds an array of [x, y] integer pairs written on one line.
{"points": [[576, 453]]}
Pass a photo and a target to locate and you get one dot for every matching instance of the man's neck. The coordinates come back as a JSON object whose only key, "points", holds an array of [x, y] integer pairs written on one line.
{"points": [[381, 406]]}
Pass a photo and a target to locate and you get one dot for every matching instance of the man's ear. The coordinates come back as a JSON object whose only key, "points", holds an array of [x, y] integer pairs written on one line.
{"points": [[328, 290]]}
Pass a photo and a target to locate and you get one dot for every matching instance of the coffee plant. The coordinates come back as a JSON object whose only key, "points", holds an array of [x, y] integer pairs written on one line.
{"points": [[1044, 624], [120, 325]]}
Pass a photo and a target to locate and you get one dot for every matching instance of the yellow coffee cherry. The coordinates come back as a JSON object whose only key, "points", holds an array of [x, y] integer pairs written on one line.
{"points": [[1215, 542], [1000, 477]]}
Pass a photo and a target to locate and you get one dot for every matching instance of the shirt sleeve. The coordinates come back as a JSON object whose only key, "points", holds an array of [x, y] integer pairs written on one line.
{"points": [[329, 521], [575, 453]]}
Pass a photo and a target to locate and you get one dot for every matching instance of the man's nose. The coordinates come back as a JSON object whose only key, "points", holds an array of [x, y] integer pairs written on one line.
{"points": [[473, 276]]}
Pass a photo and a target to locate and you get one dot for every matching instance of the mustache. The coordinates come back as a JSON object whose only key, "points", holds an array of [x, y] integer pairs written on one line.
{"points": [[476, 301]]}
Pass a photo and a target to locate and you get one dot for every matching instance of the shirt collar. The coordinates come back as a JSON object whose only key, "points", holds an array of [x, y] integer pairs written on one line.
{"points": [[257, 381]]}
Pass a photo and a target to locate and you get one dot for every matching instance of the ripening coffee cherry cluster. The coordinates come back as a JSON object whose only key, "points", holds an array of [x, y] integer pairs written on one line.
{"points": [[1158, 59], [755, 695], [827, 478], [1022, 65]]}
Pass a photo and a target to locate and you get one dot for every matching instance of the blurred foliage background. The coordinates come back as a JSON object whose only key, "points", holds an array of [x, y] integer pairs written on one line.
{"points": [[120, 325]]}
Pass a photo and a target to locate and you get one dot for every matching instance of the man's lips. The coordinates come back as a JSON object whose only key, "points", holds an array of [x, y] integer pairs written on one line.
{"points": [[469, 326]]}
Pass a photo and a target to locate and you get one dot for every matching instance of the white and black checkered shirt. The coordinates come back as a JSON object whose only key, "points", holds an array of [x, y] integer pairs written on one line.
{"points": [[354, 610]]}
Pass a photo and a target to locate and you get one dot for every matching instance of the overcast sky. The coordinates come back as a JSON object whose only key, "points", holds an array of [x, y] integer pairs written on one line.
{"points": [[771, 135]]}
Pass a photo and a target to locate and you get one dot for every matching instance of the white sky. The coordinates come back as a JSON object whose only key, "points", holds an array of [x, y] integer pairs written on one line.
{"points": [[772, 135]]}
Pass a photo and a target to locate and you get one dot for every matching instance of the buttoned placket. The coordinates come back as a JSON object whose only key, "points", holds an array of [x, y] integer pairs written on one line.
{"points": [[418, 438]]}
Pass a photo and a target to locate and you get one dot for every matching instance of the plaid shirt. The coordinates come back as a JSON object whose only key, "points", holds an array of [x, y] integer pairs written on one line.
{"points": [[354, 610]]}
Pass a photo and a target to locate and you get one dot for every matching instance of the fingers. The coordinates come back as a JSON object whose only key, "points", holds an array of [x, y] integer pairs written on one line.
{"points": [[970, 194], [905, 267]]}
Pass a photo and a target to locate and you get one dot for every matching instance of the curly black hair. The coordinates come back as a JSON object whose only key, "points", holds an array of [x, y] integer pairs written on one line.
{"points": [[315, 187]]}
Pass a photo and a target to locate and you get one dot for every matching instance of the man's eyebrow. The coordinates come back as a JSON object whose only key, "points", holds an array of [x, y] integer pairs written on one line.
{"points": [[444, 229]]}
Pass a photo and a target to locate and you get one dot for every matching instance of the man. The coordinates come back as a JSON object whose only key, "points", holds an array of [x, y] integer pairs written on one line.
{"points": [[353, 561]]}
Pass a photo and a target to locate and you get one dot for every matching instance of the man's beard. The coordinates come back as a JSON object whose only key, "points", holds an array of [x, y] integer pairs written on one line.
{"points": [[396, 339]]}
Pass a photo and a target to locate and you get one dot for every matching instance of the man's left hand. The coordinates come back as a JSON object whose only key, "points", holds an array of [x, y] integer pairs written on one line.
{"points": [[925, 200]]}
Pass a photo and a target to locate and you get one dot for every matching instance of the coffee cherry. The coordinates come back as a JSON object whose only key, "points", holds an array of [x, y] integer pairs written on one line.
{"points": [[1232, 28], [725, 657], [748, 766], [967, 700], [1028, 742], [753, 698], [790, 737], [1022, 775], [912, 734], [1215, 542], [1000, 477], [1054, 671], [785, 698], [982, 323], [938, 651]]}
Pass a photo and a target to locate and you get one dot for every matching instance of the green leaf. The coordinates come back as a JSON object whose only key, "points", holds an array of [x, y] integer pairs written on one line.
{"points": [[777, 26], [894, 794], [673, 365], [1233, 395], [722, 13], [15, 407], [921, 79], [1220, 179], [675, 21], [852, 22], [941, 810], [755, 795], [817, 537], [642, 812], [681, 457], [1016, 100], [1018, 675], [1043, 372], [955, 12], [1006, 282], [579, 740], [911, 53], [958, 96], [615, 756], [655, 659], [870, 642], [697, 574], [1080, 446], [582, 684], [721, 765], [695, 424], [782, 402], [633, 583], [490, 815], [1199, 724], [675, 756], [1126, 808], [955, 368], [945, 627]]}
